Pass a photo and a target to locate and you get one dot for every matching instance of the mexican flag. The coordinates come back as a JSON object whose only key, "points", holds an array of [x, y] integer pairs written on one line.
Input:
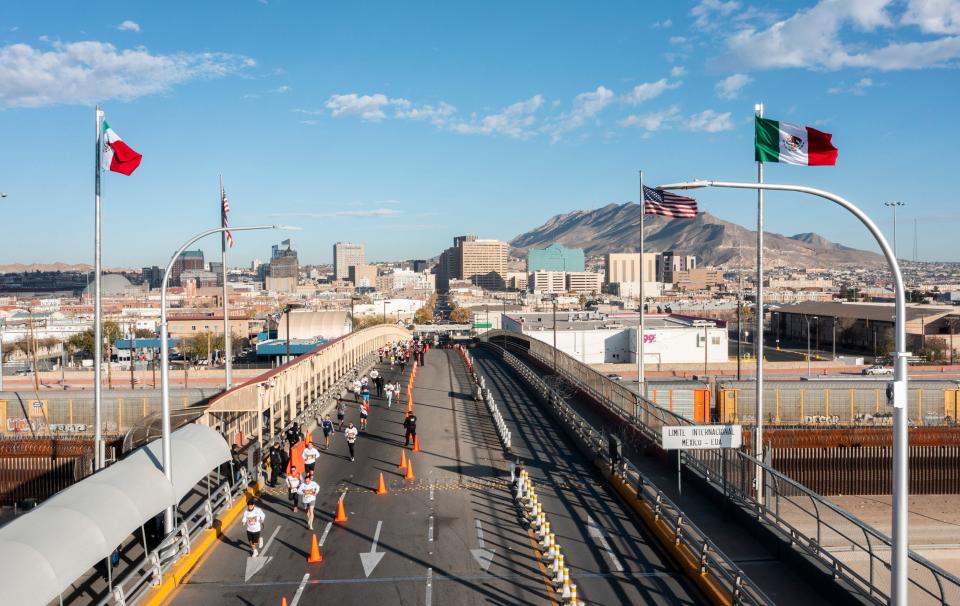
{"points": [[117, 155], [793, 144]]}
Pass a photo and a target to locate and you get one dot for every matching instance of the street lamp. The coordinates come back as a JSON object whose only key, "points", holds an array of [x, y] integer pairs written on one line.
{"points": [[893, 206], [900, 489], [165, 359], [286, 312]]}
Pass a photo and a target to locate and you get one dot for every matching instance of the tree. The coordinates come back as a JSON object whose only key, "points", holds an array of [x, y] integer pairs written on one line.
{"points": [[423, 315], [144, 333], [361, 322], [935, 349], [459, 315], [203, 345]]}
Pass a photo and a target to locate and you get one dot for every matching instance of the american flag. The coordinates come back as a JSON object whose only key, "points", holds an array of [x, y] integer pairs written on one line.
{"points": [[225, 211], [664, 203]]}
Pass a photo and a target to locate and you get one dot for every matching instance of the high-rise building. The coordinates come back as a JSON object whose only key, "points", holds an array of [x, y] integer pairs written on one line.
{"points": [[188, 259], [625, 267], [585, 282], [670, 262], [363, 275], [419, 265], [555, 257], [216, 267], [483, 262], [284, 268], [547, 282], [346, 254], [153, 276]]}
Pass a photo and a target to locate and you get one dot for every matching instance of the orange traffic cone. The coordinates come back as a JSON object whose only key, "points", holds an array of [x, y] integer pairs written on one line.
{"points": [[416, 444], [341, 514], [403, 460], [409, 475], [314, 552], [381, 487], [283, 602]]}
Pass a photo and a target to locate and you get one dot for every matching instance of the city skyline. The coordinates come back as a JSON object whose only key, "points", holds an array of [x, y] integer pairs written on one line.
{"points": [[403, 132]]}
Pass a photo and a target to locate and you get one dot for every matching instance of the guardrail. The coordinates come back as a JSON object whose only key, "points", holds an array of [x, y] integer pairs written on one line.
{"points": [[147, 571], [711, 561], [788, 506]]}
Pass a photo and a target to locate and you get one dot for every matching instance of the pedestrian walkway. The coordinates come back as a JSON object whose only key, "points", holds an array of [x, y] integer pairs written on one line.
{"points": [[452, 535]]}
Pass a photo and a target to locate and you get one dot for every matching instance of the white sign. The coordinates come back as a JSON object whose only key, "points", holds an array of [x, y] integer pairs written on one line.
{"points": [[701, 437]]}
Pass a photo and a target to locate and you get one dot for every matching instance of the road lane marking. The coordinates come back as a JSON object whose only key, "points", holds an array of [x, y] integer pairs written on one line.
{"points": [[483, 556], [323, 537], [270, 540], [296, 596], [597, 533], [429, 596], [372, 558], [430, 530]]}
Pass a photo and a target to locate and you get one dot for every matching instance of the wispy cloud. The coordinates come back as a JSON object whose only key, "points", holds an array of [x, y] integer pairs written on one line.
{"points": [[653, 121], [709, 121], [677, 71], [707, 12], [87, 72], [586, 106], [788, 43], [729, 87], [372, 212], [514, 121], [280, 90], [129, 26], [366, 107], [650, 90], [857, 88], [663, 24]]}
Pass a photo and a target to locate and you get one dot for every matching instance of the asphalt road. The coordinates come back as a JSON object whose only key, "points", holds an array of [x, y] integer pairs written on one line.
{"points": [[426, 529]]}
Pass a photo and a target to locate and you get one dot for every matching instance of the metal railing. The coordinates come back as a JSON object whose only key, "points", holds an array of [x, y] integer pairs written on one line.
{"points": [[857, 554], [712, 560], [146, 572]]}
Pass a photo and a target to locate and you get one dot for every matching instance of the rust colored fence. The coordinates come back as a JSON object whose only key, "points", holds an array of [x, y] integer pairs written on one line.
{"points": [[39, 468], [859, 460]]}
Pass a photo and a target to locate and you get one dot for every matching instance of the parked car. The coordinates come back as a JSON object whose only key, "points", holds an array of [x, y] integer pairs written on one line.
{"points": [[878, 369], [614, 377]]}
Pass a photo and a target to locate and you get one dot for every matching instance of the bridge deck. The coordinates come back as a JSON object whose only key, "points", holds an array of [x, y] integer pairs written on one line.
{"points": [[428, 527]]}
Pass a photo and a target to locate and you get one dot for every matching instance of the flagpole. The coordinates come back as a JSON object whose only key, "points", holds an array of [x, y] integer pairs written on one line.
{"points": [[641, 380], [227, 345], [758, 335], [97, 319]]}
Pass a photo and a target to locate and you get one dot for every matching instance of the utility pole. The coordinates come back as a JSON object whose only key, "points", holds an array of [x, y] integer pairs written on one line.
{"points": [[893, 206]]}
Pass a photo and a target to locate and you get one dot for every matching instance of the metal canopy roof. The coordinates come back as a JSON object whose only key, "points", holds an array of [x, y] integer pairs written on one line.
{"points": [[49, 548]]}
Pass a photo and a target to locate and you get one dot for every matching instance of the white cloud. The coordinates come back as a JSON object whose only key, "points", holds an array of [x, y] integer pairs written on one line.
{"points": [[663, 24], [858, 88], [585, 107], [678, 71], [280, 90], [811, 38], [706, 10], [649, 90], [709, 121], [373, 212], [513, 121], [435, 114], [309, 122], [87, 72], [129, 26], [678, 40], [729, 87], [652, 121], [366, 107], [934, 16]]}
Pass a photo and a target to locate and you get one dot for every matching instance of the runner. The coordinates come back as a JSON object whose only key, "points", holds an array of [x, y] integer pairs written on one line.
{"points": [[293, 481], [356, 390], [341, 413], [308, 490], [364, 413], [253, 519], [327, 426], [310, 455], [389, 392], [350, 433], [410, 427]]}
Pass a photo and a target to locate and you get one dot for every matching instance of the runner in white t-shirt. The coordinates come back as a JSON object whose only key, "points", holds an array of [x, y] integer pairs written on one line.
{"points": [[253, 518], [308, 491], [293, 481], [350, 433], [389, 391], [310, 455]]}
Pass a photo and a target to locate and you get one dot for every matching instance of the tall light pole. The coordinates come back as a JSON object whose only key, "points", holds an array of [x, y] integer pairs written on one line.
{"points": [[893, 206], [900, 488], [165, 361], [286, 311]]}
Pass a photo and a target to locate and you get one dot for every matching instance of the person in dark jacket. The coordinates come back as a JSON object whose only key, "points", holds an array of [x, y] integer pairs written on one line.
{"points": [[410, 428], [276, 455]]}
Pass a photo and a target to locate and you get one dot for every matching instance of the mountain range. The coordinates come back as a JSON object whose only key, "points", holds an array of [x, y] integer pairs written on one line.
{"points": [[614, 228]]}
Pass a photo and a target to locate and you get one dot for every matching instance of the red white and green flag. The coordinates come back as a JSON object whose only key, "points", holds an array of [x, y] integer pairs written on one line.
{"points": [[117, 155], [793, 144]]}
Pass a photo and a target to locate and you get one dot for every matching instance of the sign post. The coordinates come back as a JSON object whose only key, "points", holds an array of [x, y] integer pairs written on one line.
{"points": [[699, 437]]}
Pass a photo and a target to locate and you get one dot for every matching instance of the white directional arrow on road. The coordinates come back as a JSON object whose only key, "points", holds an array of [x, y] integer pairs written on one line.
{"points": [[483, 556], [255, 564], [597, 533], [373, 557]]}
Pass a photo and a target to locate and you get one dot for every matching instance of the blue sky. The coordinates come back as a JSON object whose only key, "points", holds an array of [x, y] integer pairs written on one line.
{"points": [[401, 125]]}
